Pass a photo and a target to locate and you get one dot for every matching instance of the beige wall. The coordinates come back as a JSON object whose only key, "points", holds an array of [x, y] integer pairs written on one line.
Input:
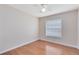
{"points": [[16, 27], [78, 29], [69, 27]]}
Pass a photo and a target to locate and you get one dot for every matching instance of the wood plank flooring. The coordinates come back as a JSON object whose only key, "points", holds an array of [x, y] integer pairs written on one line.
{"points": [[41, 47]]}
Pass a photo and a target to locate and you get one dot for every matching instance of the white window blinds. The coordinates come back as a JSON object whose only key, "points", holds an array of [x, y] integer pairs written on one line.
{"points": [[54, 28]]}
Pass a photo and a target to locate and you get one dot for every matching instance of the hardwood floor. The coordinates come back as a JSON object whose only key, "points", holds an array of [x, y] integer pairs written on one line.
{"points": [[41, 47]]}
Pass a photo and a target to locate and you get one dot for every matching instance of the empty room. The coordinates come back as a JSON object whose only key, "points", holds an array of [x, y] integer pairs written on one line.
{"points": [[39, 29]]}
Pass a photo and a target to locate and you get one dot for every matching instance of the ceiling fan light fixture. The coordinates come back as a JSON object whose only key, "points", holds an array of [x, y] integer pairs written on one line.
{"points": [[43, 10], [44, 6]]}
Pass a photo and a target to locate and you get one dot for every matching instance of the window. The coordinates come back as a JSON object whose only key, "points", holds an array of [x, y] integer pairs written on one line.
{"points": [[54, 28]]}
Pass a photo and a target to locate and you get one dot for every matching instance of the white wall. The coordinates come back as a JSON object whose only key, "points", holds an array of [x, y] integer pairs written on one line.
{"points": [[16, 27], [69, 28]]}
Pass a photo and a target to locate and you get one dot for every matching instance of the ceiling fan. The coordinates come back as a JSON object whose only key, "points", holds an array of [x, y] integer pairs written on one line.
{"points": [[44, 8]]}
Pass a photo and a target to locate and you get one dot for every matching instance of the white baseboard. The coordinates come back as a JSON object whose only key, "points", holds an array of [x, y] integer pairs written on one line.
{"points": [[61, 43], [9, 49], [78, 47]]}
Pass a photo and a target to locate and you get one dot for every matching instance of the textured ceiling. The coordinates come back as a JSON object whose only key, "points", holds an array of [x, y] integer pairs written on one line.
{"points": [[34, 9]]}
